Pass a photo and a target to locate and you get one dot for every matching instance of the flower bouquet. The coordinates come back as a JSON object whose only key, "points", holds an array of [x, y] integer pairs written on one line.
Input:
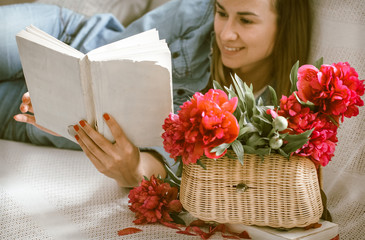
{"points": [[258, 163], [242, 161]]}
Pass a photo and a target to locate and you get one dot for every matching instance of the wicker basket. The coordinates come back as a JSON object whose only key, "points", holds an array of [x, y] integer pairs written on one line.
{"points": [[276, 192]]}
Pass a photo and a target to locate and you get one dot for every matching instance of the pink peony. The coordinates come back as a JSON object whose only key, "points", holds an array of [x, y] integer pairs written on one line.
{"points": [[203, 123], [153, 201], [335, 89], [321, 145]]}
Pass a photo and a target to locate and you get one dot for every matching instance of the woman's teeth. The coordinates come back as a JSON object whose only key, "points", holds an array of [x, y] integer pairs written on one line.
{"points": [[231, 49]]}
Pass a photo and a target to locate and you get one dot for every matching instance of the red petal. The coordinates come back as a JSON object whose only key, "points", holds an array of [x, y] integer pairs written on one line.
{"points": [[336, 238], [127, 231], [201, 233], [230, 236], [186, 233], [244, 235], [171, 225], [313, 225], [198, 223]]}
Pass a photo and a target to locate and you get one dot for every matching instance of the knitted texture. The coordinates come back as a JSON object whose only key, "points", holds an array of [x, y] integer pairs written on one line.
{"points": [[339, 36]]}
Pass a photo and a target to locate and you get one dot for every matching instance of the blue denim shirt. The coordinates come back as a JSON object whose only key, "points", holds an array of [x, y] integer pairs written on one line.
{"points": [[186, 25]]}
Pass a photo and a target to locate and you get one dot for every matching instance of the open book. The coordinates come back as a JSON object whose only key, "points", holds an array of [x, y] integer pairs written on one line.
{"points": [[130, 79]]}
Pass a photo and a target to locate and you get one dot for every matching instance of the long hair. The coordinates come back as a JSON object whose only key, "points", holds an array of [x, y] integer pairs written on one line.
{"points": [[292, 42]]}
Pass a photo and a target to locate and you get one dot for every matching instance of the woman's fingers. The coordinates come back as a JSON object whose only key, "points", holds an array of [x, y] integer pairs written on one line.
{"points": [[27, 118], [95, 160], [26, 105], [93, 137], [116, 130]]}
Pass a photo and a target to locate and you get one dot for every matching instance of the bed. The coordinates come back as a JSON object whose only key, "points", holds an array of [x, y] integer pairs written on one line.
{"points": [[48, 193]]}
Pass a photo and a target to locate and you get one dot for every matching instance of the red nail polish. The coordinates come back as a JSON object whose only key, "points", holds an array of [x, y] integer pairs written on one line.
{"points": [[82, 123], [106, 116], [76, 127], [77, 137]]}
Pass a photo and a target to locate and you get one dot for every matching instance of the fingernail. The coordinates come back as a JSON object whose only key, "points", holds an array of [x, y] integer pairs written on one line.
{"points": [[77, 137], [76, 127], [82, 123], [22, 109], [18, 118], [106, 116]]}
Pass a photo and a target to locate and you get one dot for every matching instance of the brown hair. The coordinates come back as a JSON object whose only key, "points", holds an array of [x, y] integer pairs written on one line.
{"points": [[292, 43]]}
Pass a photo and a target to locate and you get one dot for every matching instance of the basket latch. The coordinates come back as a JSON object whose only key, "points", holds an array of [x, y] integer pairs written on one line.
{"points": [[241, 187]]}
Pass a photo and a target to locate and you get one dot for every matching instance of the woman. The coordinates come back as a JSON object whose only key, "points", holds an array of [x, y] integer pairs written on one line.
{"points": [[259, 40]]}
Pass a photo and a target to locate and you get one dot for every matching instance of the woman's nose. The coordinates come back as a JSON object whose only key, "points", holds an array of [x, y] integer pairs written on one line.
{"points": [[229, 32]]}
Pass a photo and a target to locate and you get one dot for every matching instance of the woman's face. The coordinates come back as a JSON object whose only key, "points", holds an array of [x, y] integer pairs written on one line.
{"points": [[245, 32]]}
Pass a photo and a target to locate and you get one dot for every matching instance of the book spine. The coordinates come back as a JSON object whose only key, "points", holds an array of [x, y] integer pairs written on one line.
{"points": [[86, 83]]}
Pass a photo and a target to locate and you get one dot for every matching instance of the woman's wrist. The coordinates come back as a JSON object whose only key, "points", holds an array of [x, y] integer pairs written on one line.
{"points": [[151, 163]]}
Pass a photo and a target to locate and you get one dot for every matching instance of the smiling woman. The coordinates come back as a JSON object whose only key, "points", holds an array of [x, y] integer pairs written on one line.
{"points": [[260, 41], [245, 34]]}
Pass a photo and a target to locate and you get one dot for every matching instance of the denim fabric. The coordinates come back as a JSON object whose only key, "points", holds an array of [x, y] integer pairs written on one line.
{"points": [[185, 24]]}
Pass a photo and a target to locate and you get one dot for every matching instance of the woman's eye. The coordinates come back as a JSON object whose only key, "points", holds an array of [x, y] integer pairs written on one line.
{"points": [[246, 21], [221, 14]]}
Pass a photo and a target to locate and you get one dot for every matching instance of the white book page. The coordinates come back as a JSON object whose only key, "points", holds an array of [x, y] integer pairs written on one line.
{"points": [[53, 80], [136, 40], [137, 94], [33, 33]]}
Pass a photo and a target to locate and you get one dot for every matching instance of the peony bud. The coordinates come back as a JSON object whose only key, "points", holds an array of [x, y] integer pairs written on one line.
{"points": [[275, 142], [280, 123]]}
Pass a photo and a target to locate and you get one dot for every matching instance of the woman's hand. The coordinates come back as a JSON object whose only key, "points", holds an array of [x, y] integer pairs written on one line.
{"points": [[25, 107], [121, 160]]}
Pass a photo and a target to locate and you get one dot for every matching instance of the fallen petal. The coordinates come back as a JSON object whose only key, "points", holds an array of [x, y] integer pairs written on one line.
{"points": [[127, 231]]}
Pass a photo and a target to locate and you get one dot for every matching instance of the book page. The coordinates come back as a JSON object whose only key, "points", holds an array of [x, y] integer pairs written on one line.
{"points": [[132, 81], [53, 78], [138, 94], [139, 40]]}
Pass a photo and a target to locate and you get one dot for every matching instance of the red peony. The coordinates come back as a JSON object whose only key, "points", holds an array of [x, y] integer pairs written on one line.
{"points": [[335, 88], [321, 145], [153, 201], [204, 122]]}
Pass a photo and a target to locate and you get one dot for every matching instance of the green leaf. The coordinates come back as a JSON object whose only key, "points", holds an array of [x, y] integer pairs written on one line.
{"points": [[200, 163], [294, 77], [238, 149], [172, 183], [249, 100], [283, 153], [145, 178], [172, 175], [273, 97], [176, 219], [255, 140], [237, 84], [231, 156], [296, 141], [231, 92], [260, 102], [248, 128], [179, 169], [216, 85], [241, 120], [263, 151], [305, 104], [249, 149], [318, 63], [218, 150], [262, 119]]}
